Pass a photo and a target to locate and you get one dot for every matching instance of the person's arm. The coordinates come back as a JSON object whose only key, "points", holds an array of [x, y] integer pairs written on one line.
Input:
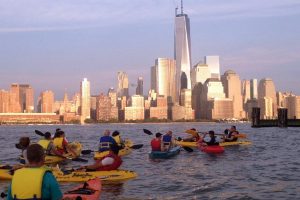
{"points": [[106, 161], [50, 182]]}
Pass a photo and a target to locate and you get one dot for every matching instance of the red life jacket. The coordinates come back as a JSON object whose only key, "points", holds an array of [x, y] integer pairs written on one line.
{"points": [[116, 164], [156, 145]]}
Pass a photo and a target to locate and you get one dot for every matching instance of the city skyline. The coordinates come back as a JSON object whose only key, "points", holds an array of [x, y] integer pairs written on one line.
{"points": [[56, 50]]}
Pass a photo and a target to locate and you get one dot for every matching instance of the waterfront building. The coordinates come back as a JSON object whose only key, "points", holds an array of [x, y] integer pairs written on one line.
{"points": [[267, 98], [253, 89], [182, 113], [182, 52], [46, 102], [94, 107], [186, 98], [293, 106], [163, 78], [137, 110], [4, 101], [24, 95], [123, 85], [105, 111], [219, 108], [213, 63], [85, 97], [113, 97], [200, 73], [232, 88], [160, 110], [139, 88], [246, 90]]}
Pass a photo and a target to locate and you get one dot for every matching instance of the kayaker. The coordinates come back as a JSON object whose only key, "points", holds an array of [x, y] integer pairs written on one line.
{"points": [[232, 135], [194, 136], [116, 136], [156, 143], [212, 139], [48, 145], [34, 181], [105, 141], [23, 145], [168, 140], [109, 162], [61, 144]]}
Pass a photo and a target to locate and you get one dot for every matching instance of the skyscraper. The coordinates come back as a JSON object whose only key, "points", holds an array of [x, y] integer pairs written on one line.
{"points": [[24, 97], [123, 85], [46, 102], [213, 63], [139, 88], [85, 103], [253, 88], [182, 51], [163, 78], [267, 100]]}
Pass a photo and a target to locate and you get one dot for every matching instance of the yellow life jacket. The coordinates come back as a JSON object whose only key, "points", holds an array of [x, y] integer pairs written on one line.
{"points": [[58, 143], [117, 138], [27, 183], [44, 143]]}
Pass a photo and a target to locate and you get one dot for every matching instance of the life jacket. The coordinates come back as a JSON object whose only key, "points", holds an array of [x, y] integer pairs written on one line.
{"points": [[105, 142], [44, 143], [167, 139], [229, 137], [212, 141], [58, 143], [117, 138], [116, 164], [27, 183], [156, 145]]}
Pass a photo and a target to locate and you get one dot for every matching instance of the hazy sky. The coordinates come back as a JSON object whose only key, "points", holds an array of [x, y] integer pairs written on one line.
{"points": [[53, 44]]}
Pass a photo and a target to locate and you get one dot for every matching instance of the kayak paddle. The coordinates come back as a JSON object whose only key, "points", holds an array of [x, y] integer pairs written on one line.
{"points": [[188, 149], [40, 133], [88, 151], [78, 159], [147, 132], [3, 195]]}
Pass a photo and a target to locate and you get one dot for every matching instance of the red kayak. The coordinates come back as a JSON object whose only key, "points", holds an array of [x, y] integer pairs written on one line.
{"points": [[90, 190], [211, 149]]}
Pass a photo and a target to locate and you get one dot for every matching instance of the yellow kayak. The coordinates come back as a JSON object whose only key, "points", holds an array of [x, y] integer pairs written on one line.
{"points": [[75, 146], [223, 144], [114, 175], [123, 152]]}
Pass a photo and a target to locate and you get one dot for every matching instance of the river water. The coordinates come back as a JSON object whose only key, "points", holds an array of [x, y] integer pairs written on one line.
{"points": [[267, 169]]}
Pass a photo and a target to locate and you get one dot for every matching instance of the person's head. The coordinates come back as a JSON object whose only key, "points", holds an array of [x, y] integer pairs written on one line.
{"points": [[233, 128], [114, 149], [35, 154], [169, 133], [23, 143], [48, 136], [211, 133], [106, 133], [58, 129], [158, 135], [193, 129], [115, 133], [226, 131]]}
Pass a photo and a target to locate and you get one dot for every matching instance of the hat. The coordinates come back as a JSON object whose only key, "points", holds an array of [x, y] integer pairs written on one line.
{"points": [[211, 132], [158, 135], [23, 143], [47, 135]]}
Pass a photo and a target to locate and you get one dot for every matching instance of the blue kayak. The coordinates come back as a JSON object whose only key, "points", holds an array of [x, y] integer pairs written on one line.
{"points": [[165, 154]]}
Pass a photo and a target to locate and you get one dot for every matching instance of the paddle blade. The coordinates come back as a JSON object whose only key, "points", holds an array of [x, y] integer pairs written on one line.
{"points": [[3, 195], [39, 133], [147, 132], [137, 146], [86, 152], [241, 135], [188, 149], [79, 160]]}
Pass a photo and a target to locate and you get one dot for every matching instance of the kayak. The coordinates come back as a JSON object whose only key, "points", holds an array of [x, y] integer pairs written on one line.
{"points": [[77, 176], [215, 149], [90, 190], [164, 154], [49, 159], [122, 152], [225, 144]]}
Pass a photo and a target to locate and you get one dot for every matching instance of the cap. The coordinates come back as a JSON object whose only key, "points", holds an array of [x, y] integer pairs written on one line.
{"points": [[115, 133], [158, 135]]}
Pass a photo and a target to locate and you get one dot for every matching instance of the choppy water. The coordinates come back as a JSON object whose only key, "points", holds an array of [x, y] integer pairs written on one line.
{"points": [[268, 169]]}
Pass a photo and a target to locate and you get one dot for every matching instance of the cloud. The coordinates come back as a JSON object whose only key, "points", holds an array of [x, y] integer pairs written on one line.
{"points": [[49, 15]]}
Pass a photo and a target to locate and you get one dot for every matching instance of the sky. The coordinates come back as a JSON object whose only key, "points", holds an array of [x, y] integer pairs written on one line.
{"points": [[53, 45]]}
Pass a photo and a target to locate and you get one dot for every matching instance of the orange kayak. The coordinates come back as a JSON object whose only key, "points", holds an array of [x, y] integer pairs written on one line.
{"points": [[90, 190]]}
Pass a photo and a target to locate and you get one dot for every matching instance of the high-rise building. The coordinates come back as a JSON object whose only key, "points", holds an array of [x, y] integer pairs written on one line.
{"points": [[123, 85], [46, 102], [182, 52], [267, 100], [253, 89], [24, 97], [200, 73], [139, 88], [293, 106], [163, 78], [4, 101], [137, 110], [85, 96], [93, 107], [113, 96], [213, 63], [233, 90], [105, 111]]}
